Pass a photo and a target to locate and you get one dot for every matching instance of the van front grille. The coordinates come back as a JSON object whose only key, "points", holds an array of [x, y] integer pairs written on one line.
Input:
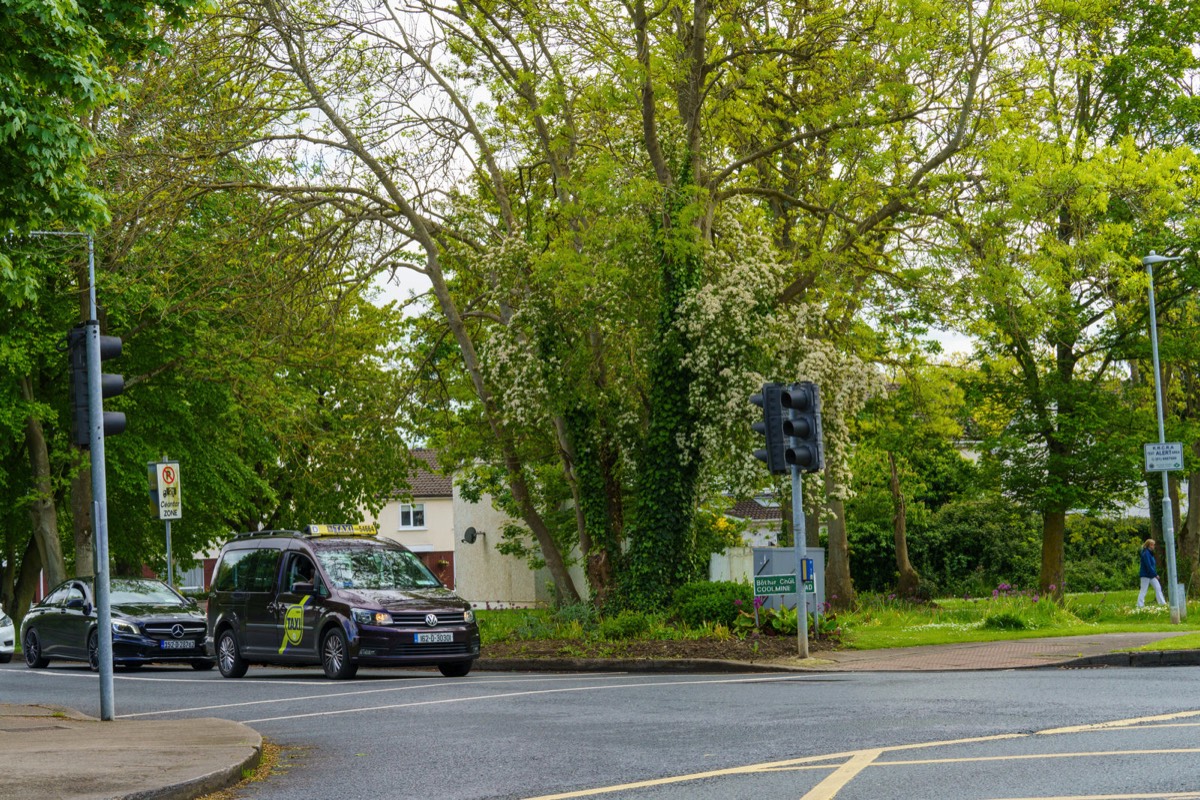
{"points": [[416, 619]]}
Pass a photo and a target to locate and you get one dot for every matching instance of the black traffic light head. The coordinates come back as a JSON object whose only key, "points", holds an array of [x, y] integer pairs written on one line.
{"points": [[806, 448], [110, 385], [771, 427]]}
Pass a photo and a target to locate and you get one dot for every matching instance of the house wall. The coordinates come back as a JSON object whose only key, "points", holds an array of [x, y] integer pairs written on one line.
{"points": [[488, 578]]}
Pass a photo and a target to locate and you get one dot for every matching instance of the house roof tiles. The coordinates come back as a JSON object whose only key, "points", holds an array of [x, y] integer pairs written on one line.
{"points": [[425, 481], [755, 509]]}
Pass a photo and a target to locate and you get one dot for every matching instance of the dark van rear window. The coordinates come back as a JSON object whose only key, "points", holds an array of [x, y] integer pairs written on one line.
{"points": [[247, 571]]}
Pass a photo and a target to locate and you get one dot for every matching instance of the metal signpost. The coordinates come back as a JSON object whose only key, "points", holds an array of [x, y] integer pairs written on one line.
{"points": [[1164, 460], [165, 493], [800, 541], [791, 427]]}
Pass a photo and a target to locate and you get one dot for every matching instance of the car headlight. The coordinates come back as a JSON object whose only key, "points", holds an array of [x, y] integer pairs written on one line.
{"points": [[469, 615], [364, 616], [5, 620], [124, 626]]}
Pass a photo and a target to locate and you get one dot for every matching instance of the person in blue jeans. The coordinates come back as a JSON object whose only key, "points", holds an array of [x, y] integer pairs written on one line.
{"points": [[1149, 575]]}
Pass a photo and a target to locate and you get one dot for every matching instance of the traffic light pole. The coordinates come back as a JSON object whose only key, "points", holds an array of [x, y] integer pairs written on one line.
{"points": [[100, 493], [99, 485], [800, 542]]}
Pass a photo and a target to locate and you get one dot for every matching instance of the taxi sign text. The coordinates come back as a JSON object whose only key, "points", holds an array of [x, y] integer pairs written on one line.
{"points": [[341, 530]]}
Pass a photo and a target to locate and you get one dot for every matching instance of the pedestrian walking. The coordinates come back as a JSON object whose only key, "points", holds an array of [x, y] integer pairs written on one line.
{"points": [[1149, 575]]}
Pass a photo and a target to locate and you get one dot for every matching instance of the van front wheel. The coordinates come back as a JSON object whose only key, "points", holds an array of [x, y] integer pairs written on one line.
{"points": [[335, 656], [229, 658], [455, 669]]}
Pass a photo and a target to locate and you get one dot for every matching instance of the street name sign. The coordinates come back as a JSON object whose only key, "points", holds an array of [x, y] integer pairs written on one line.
{"points": [[774, 584], [1164, 457]]}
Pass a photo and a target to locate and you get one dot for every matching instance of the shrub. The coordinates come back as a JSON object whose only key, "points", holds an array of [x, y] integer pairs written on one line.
{"points": [[710, 601], [583, 613], [970, 546], [626, 625], [1004, 621]]}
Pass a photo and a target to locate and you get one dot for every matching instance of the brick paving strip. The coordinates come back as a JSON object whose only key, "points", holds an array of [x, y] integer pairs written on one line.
{"points": [[1098, 650]]}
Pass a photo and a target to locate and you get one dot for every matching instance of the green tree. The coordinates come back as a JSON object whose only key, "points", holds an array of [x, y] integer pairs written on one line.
{"points": [[1078, 185], [254, 353], [56, 70], [560, 176], [918, 415]]}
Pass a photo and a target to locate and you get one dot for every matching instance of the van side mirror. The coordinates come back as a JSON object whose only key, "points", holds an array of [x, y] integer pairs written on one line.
{"points": [[302, 587]]}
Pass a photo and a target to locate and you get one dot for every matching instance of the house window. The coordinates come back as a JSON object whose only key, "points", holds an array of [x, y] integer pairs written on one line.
{"points": [[412, 515]]}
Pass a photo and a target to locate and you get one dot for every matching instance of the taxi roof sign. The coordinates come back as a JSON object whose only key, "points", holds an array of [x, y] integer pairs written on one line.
{"points": [[342, 530]]}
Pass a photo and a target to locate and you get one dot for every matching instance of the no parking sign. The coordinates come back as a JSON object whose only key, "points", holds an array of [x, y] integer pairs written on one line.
{"points": [[164, 479]]}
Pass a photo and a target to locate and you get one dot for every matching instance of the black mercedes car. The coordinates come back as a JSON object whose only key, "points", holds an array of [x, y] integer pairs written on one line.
{"points": [[151, 622]]}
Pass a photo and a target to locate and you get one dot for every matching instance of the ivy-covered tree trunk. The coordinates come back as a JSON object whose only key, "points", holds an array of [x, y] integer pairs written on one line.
{"points": [[597, 500], [665, 490]]}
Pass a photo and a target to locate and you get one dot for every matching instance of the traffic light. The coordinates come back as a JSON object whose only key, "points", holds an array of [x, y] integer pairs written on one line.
{"points": [[806, 449], [110, 385], [771, 427]]}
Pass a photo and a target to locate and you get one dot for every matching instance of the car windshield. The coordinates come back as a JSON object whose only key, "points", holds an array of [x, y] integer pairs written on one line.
{"points": [[376, 568], [131, 591]]}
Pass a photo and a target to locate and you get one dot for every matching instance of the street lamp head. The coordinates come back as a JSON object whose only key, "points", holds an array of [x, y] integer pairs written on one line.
{"points": [[1155, 258]]}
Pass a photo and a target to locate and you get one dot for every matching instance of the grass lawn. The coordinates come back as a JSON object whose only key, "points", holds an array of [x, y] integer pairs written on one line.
{"points": [[878, 622], [881, 623]]}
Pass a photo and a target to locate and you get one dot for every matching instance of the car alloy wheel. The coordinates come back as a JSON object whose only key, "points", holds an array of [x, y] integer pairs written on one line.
{"points": [[93, 651], [33, 650]]}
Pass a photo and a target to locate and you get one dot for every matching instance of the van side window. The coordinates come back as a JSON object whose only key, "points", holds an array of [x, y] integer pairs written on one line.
{"points": [[247, 571], [300, 569], [226, 578]]}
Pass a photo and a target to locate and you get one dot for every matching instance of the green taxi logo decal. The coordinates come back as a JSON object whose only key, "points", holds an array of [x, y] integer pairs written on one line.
{"points": [[293, 624]]}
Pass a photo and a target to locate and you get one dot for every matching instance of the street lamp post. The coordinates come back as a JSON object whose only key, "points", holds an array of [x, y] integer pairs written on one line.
{"points": [[1168, 517]]}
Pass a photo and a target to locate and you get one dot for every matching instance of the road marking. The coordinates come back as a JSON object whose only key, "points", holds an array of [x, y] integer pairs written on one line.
{"points": [[93, 677], [834, 783], [806, 762], [505, 695], [314, 682], [1121, 723], [858, 760], [1140, 796], [408, 686], [1033, 756]]}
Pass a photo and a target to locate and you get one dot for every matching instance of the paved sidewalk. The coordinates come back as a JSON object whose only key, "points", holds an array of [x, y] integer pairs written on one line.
{"points": [[1062, 651], [54, 752]]}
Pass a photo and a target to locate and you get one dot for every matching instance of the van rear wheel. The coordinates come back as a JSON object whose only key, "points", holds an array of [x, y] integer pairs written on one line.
{"points": [[335, 656]]}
